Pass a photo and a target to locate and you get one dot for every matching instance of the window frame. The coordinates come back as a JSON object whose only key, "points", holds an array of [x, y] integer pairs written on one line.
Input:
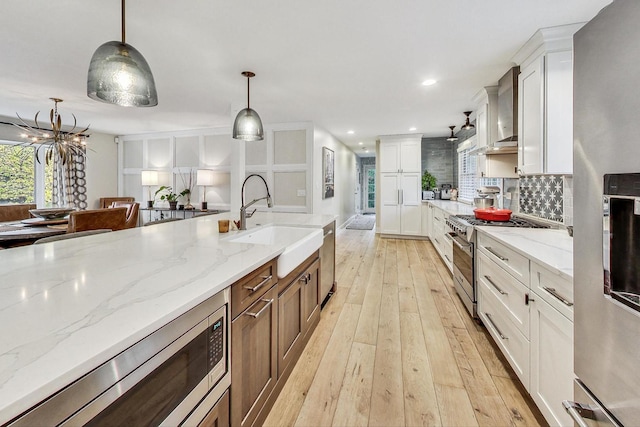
{"points": [[38, 173]]}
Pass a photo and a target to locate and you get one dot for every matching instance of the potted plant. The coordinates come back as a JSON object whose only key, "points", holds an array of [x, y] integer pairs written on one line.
{"points": [[170, 196], [429, 182]]}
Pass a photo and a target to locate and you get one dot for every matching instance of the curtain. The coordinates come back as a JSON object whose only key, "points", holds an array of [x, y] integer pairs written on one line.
{"points": [[69, 181]]}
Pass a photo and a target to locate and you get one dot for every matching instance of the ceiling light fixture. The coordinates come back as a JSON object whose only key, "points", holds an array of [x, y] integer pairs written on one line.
{"points": [[452, 138], [429, 82], [412, 129], [467, 124], [248, 125], [360, 143], [119, 74], [55, 142], [350, 132]]}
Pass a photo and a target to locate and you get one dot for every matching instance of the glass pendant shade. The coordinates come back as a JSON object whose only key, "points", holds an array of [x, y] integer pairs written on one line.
{"points": [[119, 74], [248, 126]]}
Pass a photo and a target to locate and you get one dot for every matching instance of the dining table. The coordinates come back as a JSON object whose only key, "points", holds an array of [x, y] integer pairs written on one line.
{"points": [[27, 231]]}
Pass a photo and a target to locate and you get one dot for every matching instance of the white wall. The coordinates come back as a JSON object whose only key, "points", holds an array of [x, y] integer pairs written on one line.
{"points": [[343, 202], [102, 168]]}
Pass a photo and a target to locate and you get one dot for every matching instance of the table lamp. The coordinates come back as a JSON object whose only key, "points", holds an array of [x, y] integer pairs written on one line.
{"points": [[204, 177], [149, 178]]}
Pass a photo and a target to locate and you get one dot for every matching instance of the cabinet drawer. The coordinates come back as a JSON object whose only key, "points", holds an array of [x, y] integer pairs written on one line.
{"points": [[515, 264], [509, 294], [553, 288], [512, 343], [247, 290]]}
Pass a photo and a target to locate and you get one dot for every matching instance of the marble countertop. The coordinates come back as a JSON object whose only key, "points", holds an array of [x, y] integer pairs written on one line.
{"points": [[67, 307], [551, 248], [453, 208]]}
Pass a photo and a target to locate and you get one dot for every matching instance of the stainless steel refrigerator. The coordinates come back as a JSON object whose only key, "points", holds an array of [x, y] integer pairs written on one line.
{"points": [[606, 212]]}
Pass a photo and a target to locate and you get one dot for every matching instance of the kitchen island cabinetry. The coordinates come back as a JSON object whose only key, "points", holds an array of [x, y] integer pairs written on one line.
{"points": [[254, 339], [441, 238], [545, 102], [328, 261], [527, 309]]}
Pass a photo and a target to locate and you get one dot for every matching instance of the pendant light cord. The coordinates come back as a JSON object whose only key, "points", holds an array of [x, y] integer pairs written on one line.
{"points": [[123, 33], [247, 89]]}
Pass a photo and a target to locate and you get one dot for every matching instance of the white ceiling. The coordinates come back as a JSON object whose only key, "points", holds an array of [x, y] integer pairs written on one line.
{"points": [[343, 64]]}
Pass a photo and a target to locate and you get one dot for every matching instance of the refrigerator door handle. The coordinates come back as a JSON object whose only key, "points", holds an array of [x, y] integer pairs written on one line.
{"points": [[579, 412]]}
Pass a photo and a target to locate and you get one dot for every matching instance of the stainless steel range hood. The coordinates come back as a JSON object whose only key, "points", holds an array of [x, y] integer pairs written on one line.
{"points": [[507, 113]]}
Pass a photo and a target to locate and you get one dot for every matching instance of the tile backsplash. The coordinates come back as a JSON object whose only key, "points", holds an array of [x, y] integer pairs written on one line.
{"points": [[544, 196]]}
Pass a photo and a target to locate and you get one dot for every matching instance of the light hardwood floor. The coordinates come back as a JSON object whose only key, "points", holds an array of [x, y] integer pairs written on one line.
{"points": [[396, 347]]}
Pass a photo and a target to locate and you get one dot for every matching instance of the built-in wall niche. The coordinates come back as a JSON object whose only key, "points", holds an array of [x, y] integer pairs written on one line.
{"points": [[284, 160], [175, 156]]}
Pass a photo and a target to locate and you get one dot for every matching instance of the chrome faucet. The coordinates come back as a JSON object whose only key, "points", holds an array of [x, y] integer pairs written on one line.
{"points": [[243, 209]]}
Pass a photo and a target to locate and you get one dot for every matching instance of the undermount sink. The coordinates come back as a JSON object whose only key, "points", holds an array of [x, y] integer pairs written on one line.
{"points": [[305, 242]]}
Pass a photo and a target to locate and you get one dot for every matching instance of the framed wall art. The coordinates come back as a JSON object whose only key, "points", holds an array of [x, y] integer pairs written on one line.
{"points": [[328, 164]]}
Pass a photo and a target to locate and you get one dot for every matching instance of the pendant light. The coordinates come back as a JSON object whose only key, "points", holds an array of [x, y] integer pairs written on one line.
{"points": [[452, 138], [119, 74], [467, 125], [248, 125]]}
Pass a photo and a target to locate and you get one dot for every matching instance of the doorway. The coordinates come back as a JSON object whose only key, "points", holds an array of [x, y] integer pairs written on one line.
{"points": [[369, 189]]}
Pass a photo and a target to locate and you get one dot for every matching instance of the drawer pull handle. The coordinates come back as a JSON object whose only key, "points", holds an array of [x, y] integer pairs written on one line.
{"points": [[555, 294], [494, 326], [495, 286], [305, 279], [579, 411], [255, 315], [447, 257], [259, 285], [437, 241], [329, 232], [502, 258]]}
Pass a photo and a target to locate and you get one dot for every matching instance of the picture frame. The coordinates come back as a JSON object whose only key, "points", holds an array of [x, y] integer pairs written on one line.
{"points": [[328, 171]]}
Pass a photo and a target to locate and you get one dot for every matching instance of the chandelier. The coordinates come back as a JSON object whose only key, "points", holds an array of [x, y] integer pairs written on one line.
{"points": [[54, 142]]}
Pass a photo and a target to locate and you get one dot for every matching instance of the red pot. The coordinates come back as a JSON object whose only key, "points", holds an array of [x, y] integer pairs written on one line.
{"points": [[493, 214]]}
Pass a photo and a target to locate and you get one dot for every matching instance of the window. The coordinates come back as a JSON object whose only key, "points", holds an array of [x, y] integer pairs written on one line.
{"points": [[468, 179], [22, 178]]}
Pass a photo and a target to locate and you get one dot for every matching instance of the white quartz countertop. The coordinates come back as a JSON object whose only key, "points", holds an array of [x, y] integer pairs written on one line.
{"points": [[453, 208], [551, 248], [69, 306]]}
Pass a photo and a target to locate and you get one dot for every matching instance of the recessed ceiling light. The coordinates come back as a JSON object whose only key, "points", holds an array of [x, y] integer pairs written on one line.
{"points": [[429, 82], [412, 129], [350, 132], [360, 143], [366, 151]]}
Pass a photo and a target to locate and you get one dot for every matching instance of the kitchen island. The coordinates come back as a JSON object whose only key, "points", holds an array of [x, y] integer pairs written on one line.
{"points": [[69, 306]]}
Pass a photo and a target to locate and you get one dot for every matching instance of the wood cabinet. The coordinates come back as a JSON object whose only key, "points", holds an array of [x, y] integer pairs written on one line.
{"points": [[299, 311], [272, 322], [328, 261], [545, 104], [254, 357], [528, 311], [400, 185], [218, 416]]}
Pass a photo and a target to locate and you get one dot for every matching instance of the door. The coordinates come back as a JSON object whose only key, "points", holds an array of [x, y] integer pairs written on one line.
{"points": [[389, 203], [369, 189], [410, 204], [254, 354]]}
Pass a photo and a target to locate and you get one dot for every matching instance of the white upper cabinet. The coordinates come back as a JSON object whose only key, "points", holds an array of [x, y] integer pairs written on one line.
{"points": [[545, 103], [400, 153], [492, 165]]}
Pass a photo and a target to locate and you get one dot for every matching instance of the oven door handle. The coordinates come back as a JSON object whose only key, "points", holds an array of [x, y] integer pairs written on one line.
{"points": [[455, 239]]}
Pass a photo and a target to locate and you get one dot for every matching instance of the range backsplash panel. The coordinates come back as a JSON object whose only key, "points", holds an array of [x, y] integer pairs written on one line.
{"points": [[542, 196]]}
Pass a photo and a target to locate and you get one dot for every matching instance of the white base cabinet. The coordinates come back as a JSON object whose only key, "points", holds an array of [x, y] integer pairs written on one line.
{"points": [[440, 236], [528, 310]]}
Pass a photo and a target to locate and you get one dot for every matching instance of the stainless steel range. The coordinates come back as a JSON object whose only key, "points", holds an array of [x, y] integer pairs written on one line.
{"points": [[464, 240]]}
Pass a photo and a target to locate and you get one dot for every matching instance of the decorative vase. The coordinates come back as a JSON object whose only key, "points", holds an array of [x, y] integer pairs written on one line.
{"points": [[189, 206], [173, 205]]}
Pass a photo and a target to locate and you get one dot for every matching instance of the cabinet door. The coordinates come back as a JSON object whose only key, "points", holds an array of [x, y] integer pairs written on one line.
{"points": [[389, 156], [426, 218], [530, 113], [430, 222], [481, 126], [254, 355], [410, 221], [390, 203], [551, 361], [310, 295], [559, 112], [290, 323], [218, 416], [410, 156]]}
